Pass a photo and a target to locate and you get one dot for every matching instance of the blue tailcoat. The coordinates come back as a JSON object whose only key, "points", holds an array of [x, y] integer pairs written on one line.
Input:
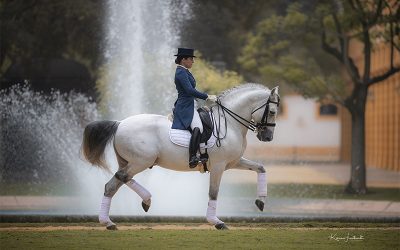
{"points": [[184, 105]]}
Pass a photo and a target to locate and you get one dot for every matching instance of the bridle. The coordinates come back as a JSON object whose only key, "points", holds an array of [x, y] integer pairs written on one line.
{"points": [[251, 125], [263, 124]]}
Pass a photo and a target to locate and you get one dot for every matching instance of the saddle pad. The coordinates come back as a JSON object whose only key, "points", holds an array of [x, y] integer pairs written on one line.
{"points": [[182, 138]]}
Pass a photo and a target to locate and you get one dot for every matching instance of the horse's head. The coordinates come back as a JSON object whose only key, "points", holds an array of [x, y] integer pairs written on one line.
{"points": [[265, 117]]}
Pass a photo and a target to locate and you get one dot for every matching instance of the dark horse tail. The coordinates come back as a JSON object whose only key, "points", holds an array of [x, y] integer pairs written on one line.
{"points": [[95, 139]]}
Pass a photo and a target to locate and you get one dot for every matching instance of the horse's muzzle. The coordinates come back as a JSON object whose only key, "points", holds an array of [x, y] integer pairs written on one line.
{"points": [[265, 136]]}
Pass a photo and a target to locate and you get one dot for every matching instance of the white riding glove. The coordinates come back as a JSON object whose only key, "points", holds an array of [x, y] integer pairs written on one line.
{"points": [[212, 98]]}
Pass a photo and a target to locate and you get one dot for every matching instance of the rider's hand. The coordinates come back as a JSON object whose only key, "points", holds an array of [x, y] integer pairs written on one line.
{"points": [[212, 98]]}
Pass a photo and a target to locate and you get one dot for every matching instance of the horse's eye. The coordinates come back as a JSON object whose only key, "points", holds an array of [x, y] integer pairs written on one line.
{"points": [[272, 112]]}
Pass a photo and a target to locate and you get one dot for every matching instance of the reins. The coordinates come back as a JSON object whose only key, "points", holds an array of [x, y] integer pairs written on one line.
{"points": [[251, 125], [218, 128]]}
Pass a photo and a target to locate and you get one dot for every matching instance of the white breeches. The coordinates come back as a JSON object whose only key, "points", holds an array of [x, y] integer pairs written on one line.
{"points": [[196, 122]]}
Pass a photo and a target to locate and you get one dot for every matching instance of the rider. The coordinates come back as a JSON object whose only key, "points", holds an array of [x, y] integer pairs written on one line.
{"points": [[186, 116]]}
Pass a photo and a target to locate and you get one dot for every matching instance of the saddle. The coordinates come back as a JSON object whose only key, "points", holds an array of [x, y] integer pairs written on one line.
{"points": [[182, 137], [205, 136], [208, 126]]}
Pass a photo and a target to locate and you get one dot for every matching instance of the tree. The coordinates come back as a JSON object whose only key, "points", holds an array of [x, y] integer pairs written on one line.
{"points": [[50, 29], [309, 46], [213, 80], [218, 28]]}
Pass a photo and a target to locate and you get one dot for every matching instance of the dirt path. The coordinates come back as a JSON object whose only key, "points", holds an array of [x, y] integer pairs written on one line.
{"points": [[178, 227]]}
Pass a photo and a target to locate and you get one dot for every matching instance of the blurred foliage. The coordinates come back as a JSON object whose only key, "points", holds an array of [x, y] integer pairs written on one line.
{"points": [[50, 29], [218, 28], [212, 80], [289, 47]]}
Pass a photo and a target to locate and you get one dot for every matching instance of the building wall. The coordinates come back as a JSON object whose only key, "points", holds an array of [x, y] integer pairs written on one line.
{"points": [[382, 116], [301, 134], [383, 125]]}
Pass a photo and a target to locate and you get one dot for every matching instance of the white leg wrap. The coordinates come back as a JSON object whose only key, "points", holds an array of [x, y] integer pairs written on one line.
{"points": [[105, 210], [212, 213], [262, 184], [141, 191]]}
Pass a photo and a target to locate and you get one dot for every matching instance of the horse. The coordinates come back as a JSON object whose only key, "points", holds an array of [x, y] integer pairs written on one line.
{"points": [[142, 141]]}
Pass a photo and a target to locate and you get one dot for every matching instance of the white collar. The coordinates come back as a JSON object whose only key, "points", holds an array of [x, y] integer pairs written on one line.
{"points": [[182, 66]]}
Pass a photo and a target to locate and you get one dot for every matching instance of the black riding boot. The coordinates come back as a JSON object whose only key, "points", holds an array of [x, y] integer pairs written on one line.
{"points": [[194, 147]]}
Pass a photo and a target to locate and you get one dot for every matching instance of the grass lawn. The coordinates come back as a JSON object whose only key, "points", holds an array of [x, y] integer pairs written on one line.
{"points": [[242, 236]]}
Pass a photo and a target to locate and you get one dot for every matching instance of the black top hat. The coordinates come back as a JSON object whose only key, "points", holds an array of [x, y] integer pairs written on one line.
{"points": [[185, 52]]}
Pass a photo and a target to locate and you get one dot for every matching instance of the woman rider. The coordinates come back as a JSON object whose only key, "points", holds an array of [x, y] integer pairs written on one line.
{"points": [[186, 116]]}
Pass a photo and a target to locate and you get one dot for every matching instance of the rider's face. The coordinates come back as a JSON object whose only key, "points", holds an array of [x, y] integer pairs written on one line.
{"points": [[187, 62]]}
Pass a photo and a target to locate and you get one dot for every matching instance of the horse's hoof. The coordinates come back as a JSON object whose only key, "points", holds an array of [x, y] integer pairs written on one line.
{"points": [[112, 227], [221, 226], [145, 206], [260, 204]]}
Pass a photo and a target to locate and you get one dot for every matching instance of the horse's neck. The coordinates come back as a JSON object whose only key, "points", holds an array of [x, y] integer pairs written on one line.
{"points": [[243, 104]]}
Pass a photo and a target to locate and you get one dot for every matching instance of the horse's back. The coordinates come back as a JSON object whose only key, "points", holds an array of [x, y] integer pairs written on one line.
{"points": [[145, 138], [137, 121], [140, 135]]}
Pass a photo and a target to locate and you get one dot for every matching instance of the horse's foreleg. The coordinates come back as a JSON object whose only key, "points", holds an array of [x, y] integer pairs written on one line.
{"points": [[215, 180], [246, 164], [109, 190]]}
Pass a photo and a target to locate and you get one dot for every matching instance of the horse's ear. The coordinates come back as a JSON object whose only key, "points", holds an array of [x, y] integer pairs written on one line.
{"points": [[275, 90]]}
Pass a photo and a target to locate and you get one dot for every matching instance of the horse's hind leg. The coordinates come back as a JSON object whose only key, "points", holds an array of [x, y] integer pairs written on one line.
{"points": [[245, 164], [142, 192], [134, 185], [123, 175], [110, 189]]}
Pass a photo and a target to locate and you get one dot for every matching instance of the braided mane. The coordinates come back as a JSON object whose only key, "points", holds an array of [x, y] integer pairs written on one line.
{"points": [[239, 88]]}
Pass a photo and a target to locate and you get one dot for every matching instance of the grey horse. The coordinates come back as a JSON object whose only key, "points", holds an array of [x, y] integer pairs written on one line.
{"points": [[142, 141]]}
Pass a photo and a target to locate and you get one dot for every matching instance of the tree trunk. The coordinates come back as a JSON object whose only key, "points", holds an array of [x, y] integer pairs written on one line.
{"points": [[357, 182]]}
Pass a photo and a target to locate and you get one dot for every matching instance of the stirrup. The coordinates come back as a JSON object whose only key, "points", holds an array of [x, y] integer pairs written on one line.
{"points": [[193, 162], [204, 158]]}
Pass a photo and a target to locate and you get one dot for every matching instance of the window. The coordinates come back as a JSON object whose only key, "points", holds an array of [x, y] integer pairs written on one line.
{"points": [[328, 109]]}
